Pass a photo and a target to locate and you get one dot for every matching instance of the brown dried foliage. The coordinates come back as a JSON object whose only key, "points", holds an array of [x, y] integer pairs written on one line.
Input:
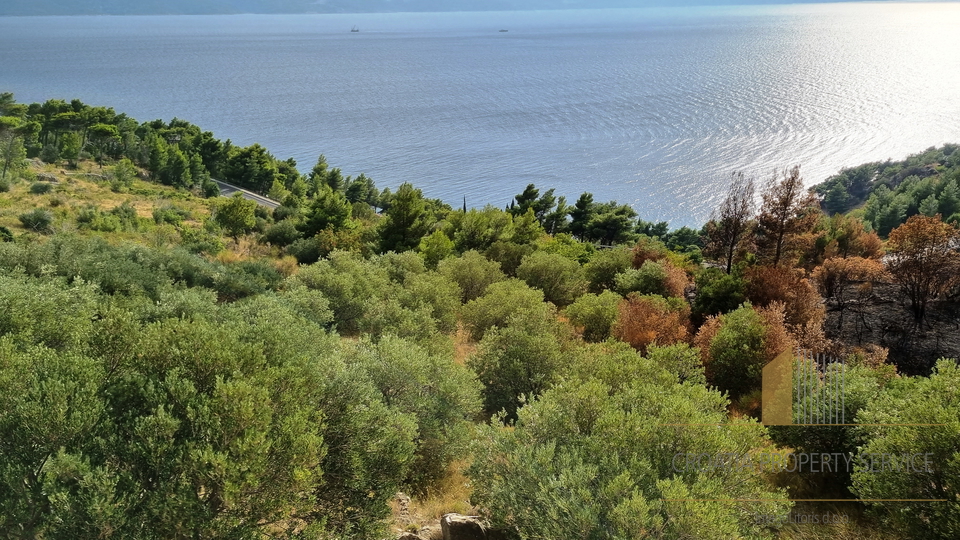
{"points": [[705, 336], [804, 312], [677, 280], [836, 274], [778, 337], [647, 320], [923, 259], [648, 249]]}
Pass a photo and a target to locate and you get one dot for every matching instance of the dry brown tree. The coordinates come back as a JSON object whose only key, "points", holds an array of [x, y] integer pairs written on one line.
{"points": [[788, 215], [922, 257], [648, 320], [730, 223]]}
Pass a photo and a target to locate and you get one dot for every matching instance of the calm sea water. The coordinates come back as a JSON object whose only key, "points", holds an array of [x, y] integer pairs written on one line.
{"points": [[651, 107]]}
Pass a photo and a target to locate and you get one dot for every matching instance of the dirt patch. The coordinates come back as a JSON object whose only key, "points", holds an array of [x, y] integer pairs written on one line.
{"points": [[464, 347]]}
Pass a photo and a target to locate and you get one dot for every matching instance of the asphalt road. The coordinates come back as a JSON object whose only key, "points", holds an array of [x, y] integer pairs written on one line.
{"points": [[227, 190]]}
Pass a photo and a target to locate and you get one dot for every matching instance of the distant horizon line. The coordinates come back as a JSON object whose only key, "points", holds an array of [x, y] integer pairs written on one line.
{"points": [[481, 9]]}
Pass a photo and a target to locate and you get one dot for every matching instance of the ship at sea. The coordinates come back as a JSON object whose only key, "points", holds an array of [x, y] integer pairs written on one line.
{"points": [[354, 29]]}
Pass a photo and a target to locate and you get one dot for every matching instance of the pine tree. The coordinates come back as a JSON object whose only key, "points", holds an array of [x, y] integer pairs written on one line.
{"points": [[406, 220], [788, 211], [949, 200], [583, 210], [928, 206]]}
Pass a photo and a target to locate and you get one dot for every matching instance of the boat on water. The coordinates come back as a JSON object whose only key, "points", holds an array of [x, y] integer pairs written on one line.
{"points": [[354, 29], [504, 30]]}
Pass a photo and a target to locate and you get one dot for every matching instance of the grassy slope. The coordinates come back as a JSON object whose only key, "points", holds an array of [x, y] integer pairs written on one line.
{"points": [[77, 189]]}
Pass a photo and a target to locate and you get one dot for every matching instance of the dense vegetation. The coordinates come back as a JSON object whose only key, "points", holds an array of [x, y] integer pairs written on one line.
{"points": [[175, 365], [887, 193]]}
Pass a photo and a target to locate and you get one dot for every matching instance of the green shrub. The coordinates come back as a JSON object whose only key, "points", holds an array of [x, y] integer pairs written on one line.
{"points": [[518, 360], [400, 266], [594, 457], [106, 223], [5, 235], [171, 214], [436, 293], [568, 246], [385, 315], [860, 385], [509, 255], [680, 359], [180, 303], [476, 230], [283, 234], [501, 301], [47, 312], [37, 220], [91, 218], [127, 214], [130, 271], [305, 250], [737, 352], [285, 212], [197, 240], [123, 174], [246, 278], [472, 272], [349, 283], [41, 188], [601, 272], [595, 313], [914, 416], [435, 248], [560, 278], [258, 396], [183, 267], [717, 293], [442, 395], [210, 189], [50, 154], [651, 278], [307, 303]]}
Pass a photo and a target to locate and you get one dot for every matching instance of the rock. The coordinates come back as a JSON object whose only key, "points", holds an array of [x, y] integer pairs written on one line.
{"points": [[458, 527], [431, 533], [46, 177], [403, 507], [409, 536]]}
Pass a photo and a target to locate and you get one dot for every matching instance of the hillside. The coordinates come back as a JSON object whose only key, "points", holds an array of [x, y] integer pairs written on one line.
{"points": [[886, 193], [178, 364]]}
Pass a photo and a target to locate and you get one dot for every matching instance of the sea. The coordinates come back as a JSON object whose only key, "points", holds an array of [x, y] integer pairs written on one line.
{"points": [[654, 107]]}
